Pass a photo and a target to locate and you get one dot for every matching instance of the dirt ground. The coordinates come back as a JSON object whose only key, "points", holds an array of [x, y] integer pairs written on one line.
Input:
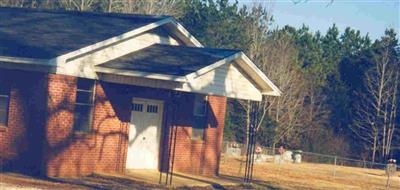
{"points": [[313, 176]]}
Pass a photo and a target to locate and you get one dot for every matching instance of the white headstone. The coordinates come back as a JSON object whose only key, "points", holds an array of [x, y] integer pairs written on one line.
{"points": [[287, 156], [297, 158]]}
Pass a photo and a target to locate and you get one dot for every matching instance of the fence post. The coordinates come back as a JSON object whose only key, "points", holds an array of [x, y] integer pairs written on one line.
{"points": [[334, 167]]}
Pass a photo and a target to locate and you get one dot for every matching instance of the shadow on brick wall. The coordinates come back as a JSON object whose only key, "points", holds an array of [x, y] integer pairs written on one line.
{"points": [[22, 149], [100, 150]]}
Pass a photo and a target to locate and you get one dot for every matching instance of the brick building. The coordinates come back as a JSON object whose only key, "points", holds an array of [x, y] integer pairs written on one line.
{"points": [[89, 92]]}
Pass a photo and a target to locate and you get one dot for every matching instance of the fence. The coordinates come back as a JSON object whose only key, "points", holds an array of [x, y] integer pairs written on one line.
{"points": [[276, 164]]}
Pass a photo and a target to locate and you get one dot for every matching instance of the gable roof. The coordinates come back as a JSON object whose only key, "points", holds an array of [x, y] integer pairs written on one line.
{"points": [[42, 34], [50, 39], [168, 59], [184, 64]]}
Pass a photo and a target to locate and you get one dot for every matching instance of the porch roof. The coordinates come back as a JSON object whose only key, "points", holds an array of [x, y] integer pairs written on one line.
{"points": [[203, 70], [168, 59]]}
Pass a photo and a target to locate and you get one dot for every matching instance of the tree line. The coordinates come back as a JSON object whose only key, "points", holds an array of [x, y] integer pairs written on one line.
{"points": [[340, 89]]}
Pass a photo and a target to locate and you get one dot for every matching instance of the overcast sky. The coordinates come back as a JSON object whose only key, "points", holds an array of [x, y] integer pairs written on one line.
{"points": [[368, 16]]}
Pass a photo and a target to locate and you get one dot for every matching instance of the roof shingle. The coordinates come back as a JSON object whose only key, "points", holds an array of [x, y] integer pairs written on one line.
{"points": [[169, 60], [44, 34]]}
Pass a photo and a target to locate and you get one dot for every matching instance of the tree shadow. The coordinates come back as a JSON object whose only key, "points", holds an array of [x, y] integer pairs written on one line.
{"points": [[25, 130], [210, 182], [263, 184]]}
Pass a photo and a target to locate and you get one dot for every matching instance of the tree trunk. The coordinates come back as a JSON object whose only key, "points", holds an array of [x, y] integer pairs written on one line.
{"points": [[374, 149], [109, 9], [273, 148]]}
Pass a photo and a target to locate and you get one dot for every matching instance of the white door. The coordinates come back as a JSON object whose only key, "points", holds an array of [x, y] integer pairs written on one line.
{"points": [[144, 134]]}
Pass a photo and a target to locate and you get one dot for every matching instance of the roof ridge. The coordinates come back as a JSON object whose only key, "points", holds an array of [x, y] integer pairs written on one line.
{"points": [[91, 13]]}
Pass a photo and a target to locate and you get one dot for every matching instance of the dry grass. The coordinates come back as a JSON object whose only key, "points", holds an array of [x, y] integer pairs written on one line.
{"points": [[312, 176], [18, 181], [15, 181], [92, 182], [266, 175]]}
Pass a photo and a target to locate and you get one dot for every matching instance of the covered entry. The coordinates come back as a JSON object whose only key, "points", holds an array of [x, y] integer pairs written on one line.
{"points": [[191, 142], [144, 134]]}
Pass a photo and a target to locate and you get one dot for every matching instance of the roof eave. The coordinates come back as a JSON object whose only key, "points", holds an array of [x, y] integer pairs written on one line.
{"points": [[141, 74], [25, 60], [266, 84], [183, 34], [271, 93], [212, 66], [266, 81]]}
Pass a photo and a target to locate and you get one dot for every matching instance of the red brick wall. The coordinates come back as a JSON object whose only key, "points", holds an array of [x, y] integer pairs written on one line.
{"points": [[198, 157], [66, 153], [102, 150], [201, 156], [63, 152], [110, 123], [26, 116]]}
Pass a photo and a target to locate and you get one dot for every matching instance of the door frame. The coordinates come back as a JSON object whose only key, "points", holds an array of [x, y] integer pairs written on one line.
{"points": [[159, 137]]}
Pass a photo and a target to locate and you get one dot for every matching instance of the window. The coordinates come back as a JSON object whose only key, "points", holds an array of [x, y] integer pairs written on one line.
{"points": [[4, 102], [152, 108], [84, 105], [137, 107], [200, 117]]}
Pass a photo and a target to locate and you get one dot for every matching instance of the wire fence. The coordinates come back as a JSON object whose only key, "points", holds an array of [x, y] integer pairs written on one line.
{"points": [[291, 165]]}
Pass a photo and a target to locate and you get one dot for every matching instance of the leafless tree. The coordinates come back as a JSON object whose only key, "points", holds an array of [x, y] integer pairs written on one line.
{"points": [[153, 7], [257, 29], [286, 110], [376, 112], [80, 5], [277, 57], [45, 4], [13, 3]]}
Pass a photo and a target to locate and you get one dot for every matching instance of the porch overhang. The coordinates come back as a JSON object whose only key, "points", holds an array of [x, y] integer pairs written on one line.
{"points": [[141, 74], [220, 72]]}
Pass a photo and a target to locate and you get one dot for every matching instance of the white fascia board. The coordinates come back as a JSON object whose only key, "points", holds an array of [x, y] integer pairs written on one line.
{"points": [[253, 67], [213, 66], [182, 30], [240, 55], [140, 74], [7, 59], [273, 93], [62, 59]]}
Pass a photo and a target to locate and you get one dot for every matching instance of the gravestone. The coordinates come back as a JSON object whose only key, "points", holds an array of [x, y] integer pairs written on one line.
{"points": [[233, 151], [287, 156], [391, 169]]}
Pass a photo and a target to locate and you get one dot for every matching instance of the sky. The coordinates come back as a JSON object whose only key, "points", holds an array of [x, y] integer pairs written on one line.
{"points": [[368, 16]]}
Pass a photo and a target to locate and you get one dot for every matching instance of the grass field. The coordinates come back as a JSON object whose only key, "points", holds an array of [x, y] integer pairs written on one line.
{"points": [[313, 176], [266, 176]]}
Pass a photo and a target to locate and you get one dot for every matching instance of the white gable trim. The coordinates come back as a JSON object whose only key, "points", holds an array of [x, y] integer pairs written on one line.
{"points": [[226, 80], [171, 23], [177, 28], [62, 59], [258, 73], [182, 33], [264, 83], [24, 60], [265, 86], [140, 74], [215, 65]]}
